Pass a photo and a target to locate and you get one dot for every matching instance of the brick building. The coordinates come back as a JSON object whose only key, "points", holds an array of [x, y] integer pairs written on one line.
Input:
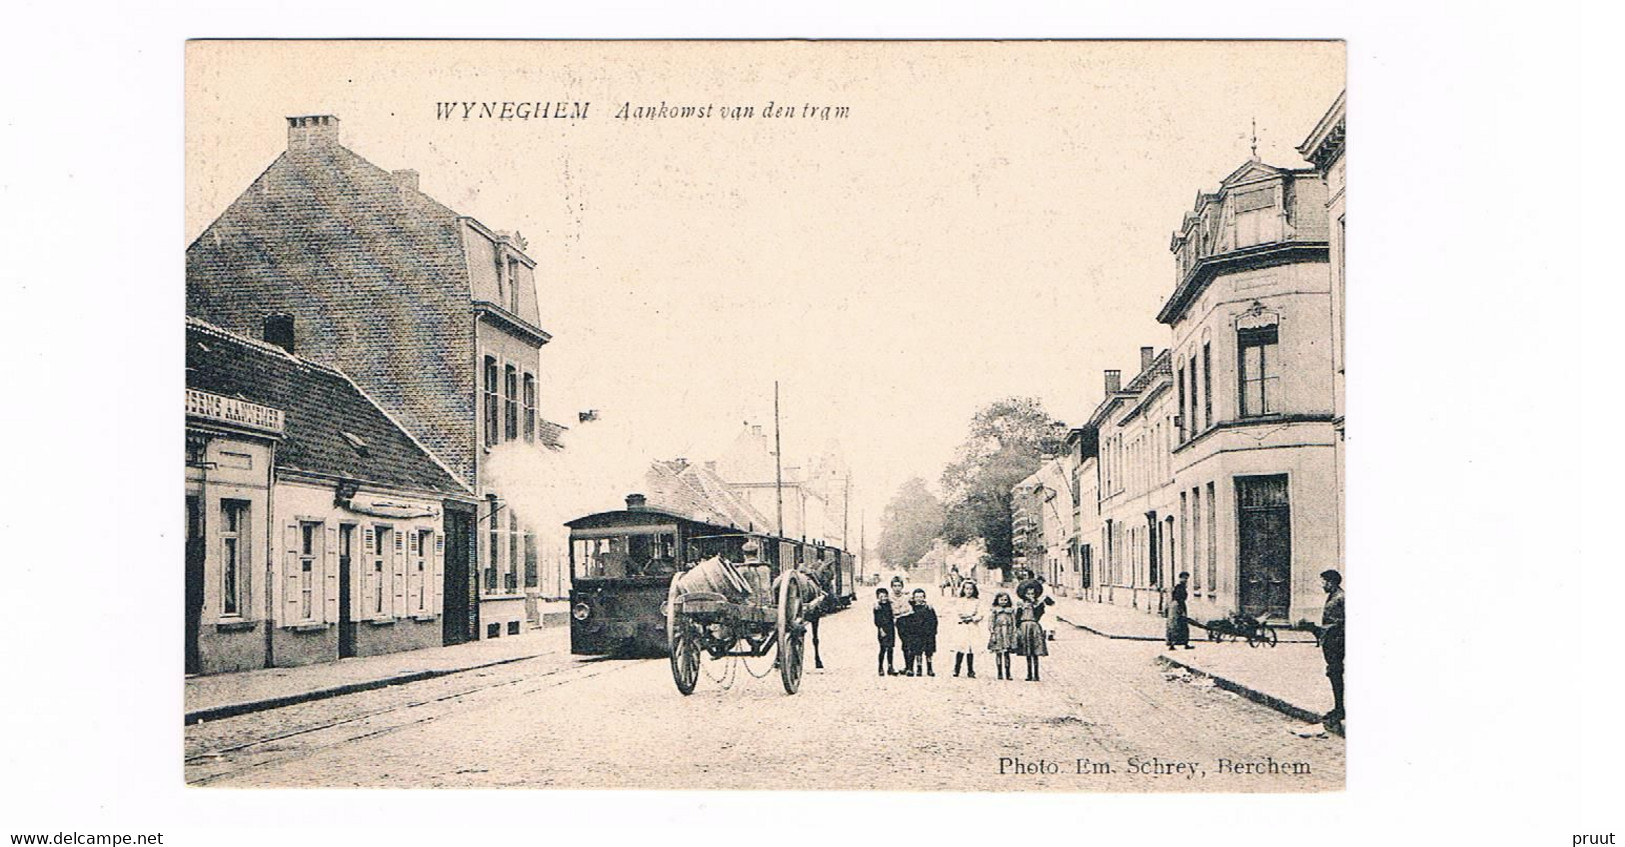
{"points": [[433, 314], [315, 522]]}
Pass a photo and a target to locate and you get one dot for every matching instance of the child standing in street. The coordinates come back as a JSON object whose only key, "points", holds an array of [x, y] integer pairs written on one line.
{"points": [[1030, 639], [966, 631], [1001, 632], [917, 628], [885, 632]]}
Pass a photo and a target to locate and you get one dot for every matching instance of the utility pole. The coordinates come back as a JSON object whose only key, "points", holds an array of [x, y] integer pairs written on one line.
{"points": [[778, 459], [846, 511]]}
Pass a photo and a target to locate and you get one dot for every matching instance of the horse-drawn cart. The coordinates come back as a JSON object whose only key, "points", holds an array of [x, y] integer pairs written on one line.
{"points": [[720, 611]]}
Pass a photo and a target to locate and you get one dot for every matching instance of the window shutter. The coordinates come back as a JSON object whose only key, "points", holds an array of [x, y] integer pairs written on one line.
{"points": [[361, 576], [399, 570], [437, 576], [330, 574], [290, 575]]}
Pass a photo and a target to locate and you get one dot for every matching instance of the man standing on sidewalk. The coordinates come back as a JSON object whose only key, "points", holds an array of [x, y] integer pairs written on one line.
{"points": [[1331, 640]]}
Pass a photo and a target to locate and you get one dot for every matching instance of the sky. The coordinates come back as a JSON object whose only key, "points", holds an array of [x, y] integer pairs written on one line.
{"points": [[988, 220]]}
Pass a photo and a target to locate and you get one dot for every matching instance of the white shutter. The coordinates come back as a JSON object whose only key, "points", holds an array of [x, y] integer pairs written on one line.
{"points": [[330, 575], [290, 574], [399, 571], [361, 573], [437, 575]]}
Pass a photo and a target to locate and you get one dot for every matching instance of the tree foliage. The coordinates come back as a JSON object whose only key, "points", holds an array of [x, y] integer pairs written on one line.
{"points": [[913, 519], [1006, 442]]}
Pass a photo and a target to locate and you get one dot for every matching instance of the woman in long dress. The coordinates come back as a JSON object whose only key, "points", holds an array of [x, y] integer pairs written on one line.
{"points": [[1179, 627], [966, 632], [1030, 639], [1001, 632]]}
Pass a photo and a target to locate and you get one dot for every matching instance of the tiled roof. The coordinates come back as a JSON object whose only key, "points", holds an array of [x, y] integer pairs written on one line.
{"points": [[376, 274], [551, 434], [700, 494], [326, 415]]}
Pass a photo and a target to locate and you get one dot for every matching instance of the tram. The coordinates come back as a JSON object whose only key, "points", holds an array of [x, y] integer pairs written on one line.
{"points": [[622, 563]]}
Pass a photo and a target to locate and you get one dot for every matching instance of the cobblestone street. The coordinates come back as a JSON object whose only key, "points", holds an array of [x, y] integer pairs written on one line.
{"points": [[560, 721]]}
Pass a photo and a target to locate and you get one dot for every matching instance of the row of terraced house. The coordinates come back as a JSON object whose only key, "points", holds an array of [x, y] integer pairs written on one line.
{"points": [[355, 351], [1223, 455]]}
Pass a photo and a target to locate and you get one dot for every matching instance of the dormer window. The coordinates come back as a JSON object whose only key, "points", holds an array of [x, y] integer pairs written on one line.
{"points": [[356, 443], [513, 285]]}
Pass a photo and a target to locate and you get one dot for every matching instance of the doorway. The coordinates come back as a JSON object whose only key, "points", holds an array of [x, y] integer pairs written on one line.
{"points": [[194, 582], [1264, 532], [346, 623], [459, 622]]}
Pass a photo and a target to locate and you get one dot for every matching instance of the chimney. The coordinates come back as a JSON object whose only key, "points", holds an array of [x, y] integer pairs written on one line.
{"points": [[587, 416], [680, 463], [279, 331], [711, 466], [635, 502], [1114, 381], [308, 132], [1146, 355], [405, 178]]}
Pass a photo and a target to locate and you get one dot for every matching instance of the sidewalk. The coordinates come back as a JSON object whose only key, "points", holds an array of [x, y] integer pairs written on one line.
{"points": [[1289, 678], [224, 695]]}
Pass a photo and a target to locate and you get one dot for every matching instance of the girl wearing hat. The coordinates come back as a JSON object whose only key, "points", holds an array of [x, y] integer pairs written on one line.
{"points": [[1030, 640], [968, 612], [1001, 632]]}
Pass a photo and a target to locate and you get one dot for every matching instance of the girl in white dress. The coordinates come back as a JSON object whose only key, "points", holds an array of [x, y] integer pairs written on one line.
{"points": [[967, 616]]}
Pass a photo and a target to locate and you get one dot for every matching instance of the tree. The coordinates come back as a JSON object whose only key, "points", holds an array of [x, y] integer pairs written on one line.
{"points": [[1008, 440], [913, 519]]}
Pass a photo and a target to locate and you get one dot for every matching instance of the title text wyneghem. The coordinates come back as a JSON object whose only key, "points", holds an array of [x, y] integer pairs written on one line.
{"points": [[628, 112]]}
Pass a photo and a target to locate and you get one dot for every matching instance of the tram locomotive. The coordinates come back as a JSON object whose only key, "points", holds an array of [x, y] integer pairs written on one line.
{"points": [[622, 563]]}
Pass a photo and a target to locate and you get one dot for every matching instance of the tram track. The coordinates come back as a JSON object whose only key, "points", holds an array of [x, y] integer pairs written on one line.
{"points": [[240, 757]]}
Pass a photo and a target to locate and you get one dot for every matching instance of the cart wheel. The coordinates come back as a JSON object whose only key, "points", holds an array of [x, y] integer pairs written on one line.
{"points": [[1270, 637], [1255, 638], [1215, 636], [685, 649], [790, 632]]}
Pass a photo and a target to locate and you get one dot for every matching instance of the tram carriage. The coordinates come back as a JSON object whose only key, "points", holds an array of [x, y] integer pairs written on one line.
{"points": [[622, 565]]}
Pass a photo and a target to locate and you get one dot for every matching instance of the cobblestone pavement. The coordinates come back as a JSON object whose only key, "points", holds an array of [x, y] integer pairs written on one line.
{"points": [[1104, 708]]}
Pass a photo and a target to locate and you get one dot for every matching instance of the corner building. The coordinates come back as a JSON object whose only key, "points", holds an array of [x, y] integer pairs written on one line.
{"points": [[434, 315], [1254, 483]]}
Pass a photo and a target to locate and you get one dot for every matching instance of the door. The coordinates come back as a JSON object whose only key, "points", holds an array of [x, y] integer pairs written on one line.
{"points": [[346, 624], [459, 620], [1264, 537], [194, 582]]}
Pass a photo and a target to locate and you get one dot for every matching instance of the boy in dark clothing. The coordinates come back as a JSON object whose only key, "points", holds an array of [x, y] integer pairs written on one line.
{"points": [[885, 631], [918, 629]]}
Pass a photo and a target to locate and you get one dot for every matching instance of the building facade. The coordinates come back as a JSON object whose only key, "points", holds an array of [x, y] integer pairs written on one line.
{"points": [[322, 520], [431, 312], [1324, 148], [1254, 467]]}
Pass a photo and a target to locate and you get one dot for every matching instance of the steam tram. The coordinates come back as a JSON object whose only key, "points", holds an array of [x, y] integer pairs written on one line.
{"points": [[622, 563]]}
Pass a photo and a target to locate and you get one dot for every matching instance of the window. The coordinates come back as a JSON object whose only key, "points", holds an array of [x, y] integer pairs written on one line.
{"points": [[234, 544], [510, 579], [1207, 385], [490, 401], [494, 548], [1184, 414], [1212, 539], [532, 575], [513, 285], [530, 407], [510, 404], [420, 555], [1196, 423], [379, 553], [1260, 373], [310, 535], [1198, 541]]}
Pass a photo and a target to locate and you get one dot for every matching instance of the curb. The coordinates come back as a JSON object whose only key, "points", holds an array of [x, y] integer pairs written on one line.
{"points": [[1253, 694], [230, 710], [1102, 634]]}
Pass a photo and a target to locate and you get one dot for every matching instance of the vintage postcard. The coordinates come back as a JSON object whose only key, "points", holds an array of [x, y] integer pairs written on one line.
{"points": [[881, 415]]}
